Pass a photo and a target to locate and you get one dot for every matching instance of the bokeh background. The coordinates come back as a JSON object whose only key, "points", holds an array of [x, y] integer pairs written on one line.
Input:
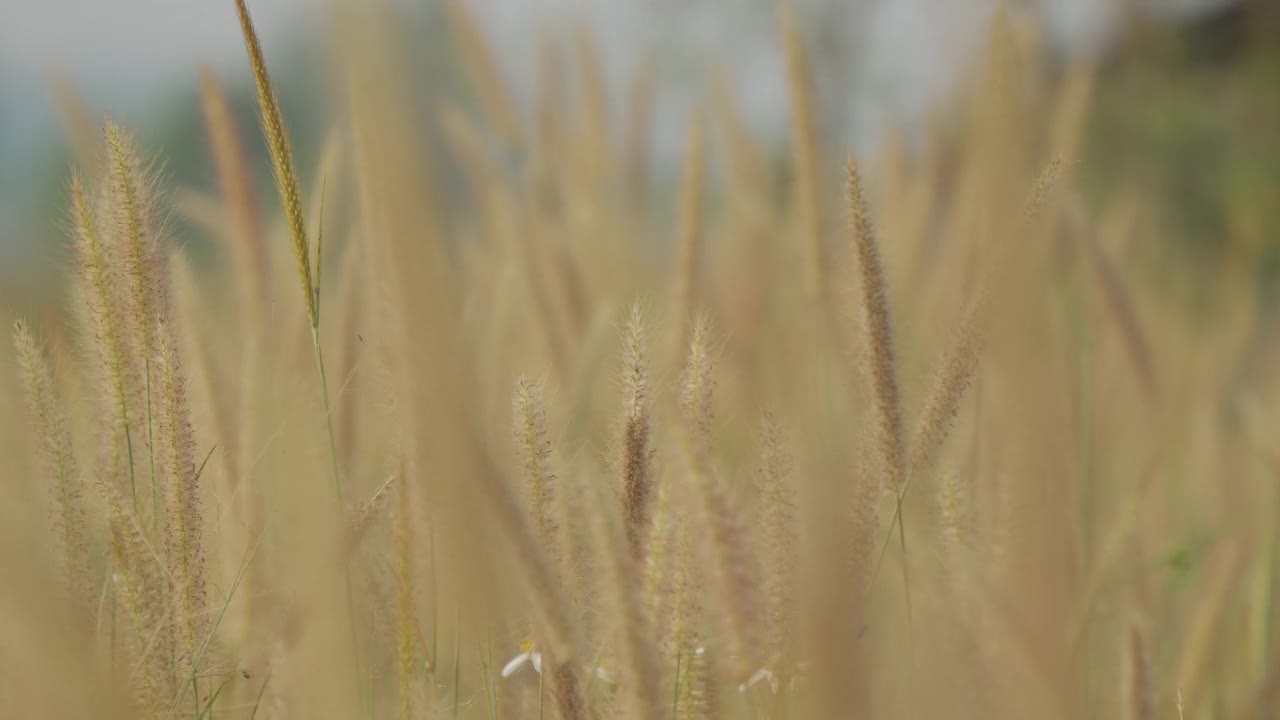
{"points": [[1187, 106]]}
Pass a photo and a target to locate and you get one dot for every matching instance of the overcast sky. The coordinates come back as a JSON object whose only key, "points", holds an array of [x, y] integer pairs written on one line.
{"points": [[896, 56], [148, 41]]}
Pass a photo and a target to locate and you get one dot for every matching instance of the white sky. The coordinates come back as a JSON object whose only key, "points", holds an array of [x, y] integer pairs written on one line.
{"points": [[137, 45], [130, 33]]}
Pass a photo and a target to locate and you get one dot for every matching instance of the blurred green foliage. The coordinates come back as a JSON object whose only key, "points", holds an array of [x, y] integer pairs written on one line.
{"points": [[1191, 113]]}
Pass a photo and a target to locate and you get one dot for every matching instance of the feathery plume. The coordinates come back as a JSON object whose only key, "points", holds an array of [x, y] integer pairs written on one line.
{"points": [[778, 526], [281, 160], [955, 515], [879, 335], [878, 330], [182, 491], [635, 647], [950, 382], [106, 316], [534, 449], [657, 557], [141, 586], [865, 527], [1044, 186], [50, 425], [135, 235], [726, 544], [637, 453], [362, 519]]}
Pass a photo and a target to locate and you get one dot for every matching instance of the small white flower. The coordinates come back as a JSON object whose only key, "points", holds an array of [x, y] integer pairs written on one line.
{"points": [[526, 656], [761, 674]]}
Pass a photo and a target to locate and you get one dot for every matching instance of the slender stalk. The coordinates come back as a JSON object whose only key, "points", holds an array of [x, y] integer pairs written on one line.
{"points": [[457, 664], [675, 695], [151, 455], [328, 416], [133, 483]]}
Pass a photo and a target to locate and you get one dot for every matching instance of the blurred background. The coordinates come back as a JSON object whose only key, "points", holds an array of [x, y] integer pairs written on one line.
{"points": [[1187, 105]]}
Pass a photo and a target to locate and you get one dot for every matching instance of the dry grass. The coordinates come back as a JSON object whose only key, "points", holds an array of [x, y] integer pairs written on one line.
{"points": [[707, 526]]}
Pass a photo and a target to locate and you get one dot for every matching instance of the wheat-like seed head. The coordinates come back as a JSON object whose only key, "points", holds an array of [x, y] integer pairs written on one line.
{"points": [[176, 453], [635, 645], [778, 528], [135, 240], [658, 558], [955, 516], [534, 449], [950, 382], [107, 313], [637, 454], [281, 160], [143, 592], [879, 336], [730, 558], [49, 421]]}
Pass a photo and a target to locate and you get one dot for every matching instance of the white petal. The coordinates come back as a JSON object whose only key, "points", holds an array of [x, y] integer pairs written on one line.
{"points": [[760, 674], [515, 664], [537, 663], [603, 675]]}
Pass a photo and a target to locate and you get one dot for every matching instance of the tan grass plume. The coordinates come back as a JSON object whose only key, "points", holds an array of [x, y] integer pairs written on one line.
{"points": [[635, 444], [281, 160], [49, 422], [729, 557]]}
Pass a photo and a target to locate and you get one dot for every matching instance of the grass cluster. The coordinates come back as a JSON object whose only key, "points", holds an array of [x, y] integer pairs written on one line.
{"points": [[941, 445]]}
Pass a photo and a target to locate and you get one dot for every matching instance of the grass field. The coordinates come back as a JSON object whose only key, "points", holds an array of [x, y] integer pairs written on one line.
{"points": [[925, 432]]}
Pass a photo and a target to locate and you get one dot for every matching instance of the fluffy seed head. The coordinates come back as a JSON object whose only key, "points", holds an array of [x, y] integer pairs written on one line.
{"points": [[879, 336], [50, 425], [281, 160], [637, 455]]}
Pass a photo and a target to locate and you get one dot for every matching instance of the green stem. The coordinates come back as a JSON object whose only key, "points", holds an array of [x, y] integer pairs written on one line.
{"points": [[337, 489], [906, 581], [133, 483], [457, 663], [151, 452], [328, 415], [675, 696], [489, 701]]}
